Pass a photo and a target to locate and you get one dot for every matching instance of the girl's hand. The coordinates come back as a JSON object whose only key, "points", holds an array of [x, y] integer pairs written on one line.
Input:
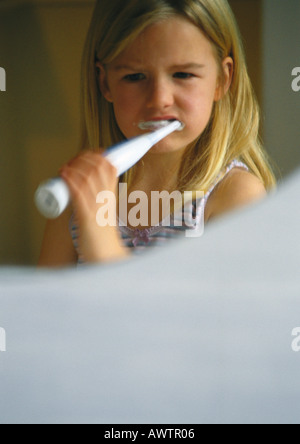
{"points": [[87, 175]]}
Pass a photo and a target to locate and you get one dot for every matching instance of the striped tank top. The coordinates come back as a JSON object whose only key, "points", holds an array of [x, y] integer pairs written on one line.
{"points": [[188, 221]]}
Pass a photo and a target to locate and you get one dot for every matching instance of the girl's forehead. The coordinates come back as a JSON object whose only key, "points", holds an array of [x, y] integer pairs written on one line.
{"points": [[166, 41]]}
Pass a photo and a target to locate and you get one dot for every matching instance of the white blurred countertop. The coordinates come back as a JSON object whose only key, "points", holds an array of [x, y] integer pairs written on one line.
{"points": [[197, 332]]}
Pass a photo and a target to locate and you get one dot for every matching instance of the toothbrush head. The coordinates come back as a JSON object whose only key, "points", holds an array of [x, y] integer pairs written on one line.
{"points": [[154, 125]]}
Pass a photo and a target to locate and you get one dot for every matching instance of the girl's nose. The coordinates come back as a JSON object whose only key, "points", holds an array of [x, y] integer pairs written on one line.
{"points": [[161, 94]]}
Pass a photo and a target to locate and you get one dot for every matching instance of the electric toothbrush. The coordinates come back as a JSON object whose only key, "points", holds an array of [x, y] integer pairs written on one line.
{"points": [[53, 196]]}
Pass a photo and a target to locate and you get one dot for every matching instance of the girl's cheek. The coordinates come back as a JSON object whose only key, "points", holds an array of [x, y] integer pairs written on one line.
{"points": [[126, 101], [127, 117]]}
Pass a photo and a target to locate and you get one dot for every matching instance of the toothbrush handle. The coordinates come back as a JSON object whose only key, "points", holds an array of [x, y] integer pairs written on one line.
{"points": [[53, 196]]}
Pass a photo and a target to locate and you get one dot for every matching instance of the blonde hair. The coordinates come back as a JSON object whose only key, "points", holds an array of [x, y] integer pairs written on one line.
{"points": [[233, 130]]}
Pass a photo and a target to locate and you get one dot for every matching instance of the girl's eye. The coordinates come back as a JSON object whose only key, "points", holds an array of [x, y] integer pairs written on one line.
{"points": [[134, 77], [183, 75]]}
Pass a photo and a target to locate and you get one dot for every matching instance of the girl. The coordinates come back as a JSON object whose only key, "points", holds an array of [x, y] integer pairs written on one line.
{"points": [[152, 60]]}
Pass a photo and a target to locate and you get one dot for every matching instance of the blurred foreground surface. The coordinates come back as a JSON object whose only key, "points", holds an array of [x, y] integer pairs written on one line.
{"points": [[198, 332]]}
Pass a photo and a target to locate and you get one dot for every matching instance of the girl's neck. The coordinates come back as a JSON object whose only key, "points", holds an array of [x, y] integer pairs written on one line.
{"points": [[158, 172]]}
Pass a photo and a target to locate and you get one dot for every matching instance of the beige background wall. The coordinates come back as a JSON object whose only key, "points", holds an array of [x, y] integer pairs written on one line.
{"points": [[40, 48]]}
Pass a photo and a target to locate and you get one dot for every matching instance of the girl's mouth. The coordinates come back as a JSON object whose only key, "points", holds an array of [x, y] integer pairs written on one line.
{"points": [[153, 125]]}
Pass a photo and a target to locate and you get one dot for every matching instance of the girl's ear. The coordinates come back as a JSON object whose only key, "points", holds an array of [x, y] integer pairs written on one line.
{"points": [[103, 82], [224, 86]]}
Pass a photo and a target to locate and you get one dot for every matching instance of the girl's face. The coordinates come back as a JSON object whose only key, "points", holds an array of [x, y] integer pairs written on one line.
{"points": [[169, 72]]}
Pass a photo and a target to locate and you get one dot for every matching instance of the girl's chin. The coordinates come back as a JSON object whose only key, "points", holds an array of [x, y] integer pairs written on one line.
{"points": [[162, 148]]}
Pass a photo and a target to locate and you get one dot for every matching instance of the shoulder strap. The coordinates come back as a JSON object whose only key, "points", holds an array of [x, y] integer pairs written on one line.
{"points": [[234, 164]]}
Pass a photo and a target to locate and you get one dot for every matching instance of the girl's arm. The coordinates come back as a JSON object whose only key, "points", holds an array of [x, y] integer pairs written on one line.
{"points": [[57, 247], [87, 175], [239, 188]]}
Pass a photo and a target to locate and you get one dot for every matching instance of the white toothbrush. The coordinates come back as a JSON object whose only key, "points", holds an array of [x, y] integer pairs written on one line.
{"points": [[53, 197]]}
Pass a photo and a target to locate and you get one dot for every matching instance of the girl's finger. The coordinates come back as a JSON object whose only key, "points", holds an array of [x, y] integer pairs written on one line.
{"points": [[89, 162]]}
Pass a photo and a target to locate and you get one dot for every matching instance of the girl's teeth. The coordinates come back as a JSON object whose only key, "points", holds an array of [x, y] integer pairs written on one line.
{"points": [[155, 124]]}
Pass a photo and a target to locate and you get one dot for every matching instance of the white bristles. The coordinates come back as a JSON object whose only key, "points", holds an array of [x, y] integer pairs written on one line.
{"points": [[154, 125]]}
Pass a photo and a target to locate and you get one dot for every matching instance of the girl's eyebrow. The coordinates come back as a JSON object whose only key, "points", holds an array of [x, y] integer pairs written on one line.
{"points": [[174, 67], [125, 68], [189, 66]]}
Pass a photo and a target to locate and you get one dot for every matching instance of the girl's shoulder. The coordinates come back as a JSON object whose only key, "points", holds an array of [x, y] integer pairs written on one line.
{"points": [[238, 188]]}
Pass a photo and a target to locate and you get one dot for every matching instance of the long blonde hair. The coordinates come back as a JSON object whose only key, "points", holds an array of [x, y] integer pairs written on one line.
{"points": [[233, 130]]}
